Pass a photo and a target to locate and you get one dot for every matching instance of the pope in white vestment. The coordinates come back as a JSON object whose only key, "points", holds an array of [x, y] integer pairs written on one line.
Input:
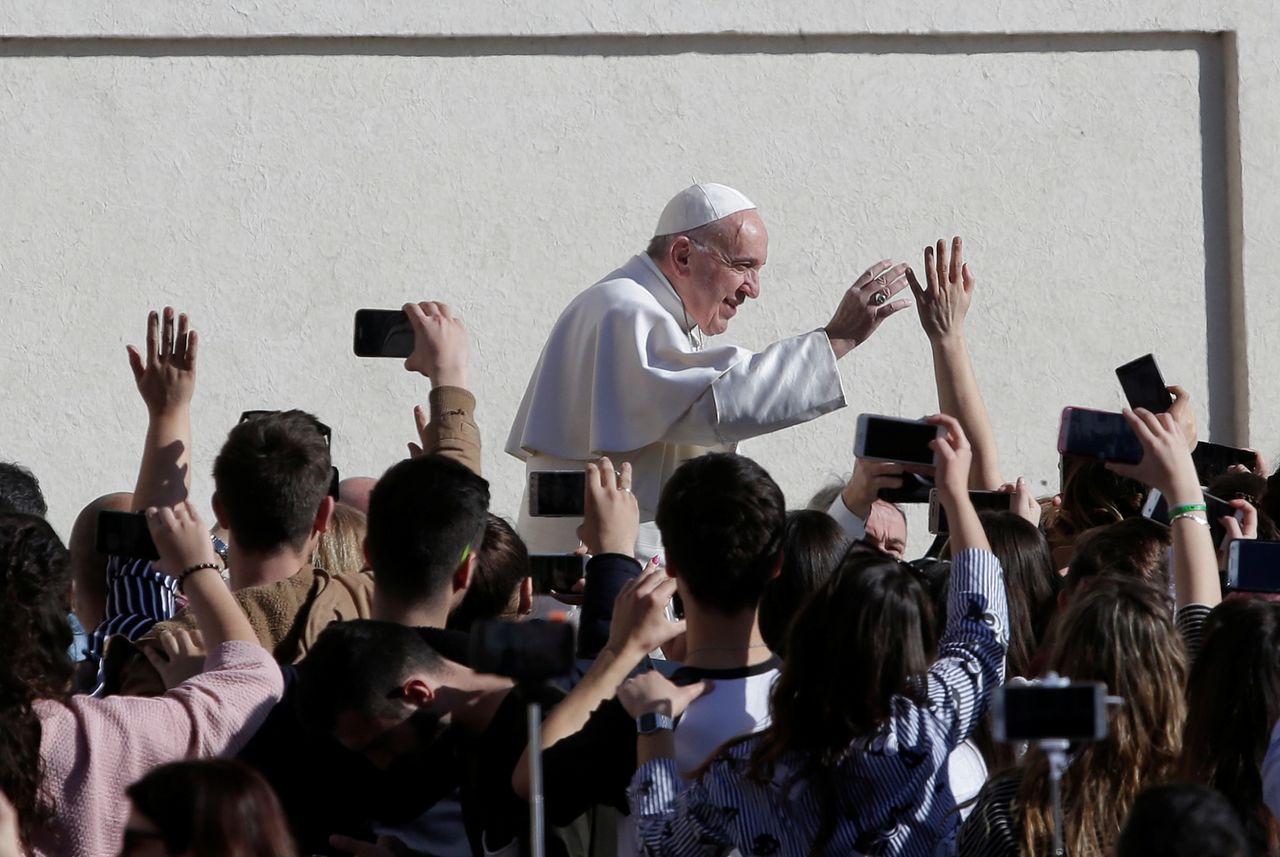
{"points": [[623, 374]]}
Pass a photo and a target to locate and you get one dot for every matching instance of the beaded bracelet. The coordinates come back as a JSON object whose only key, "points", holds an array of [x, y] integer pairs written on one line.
{"points": [[1190, 517], [1190, 507], [200, 566]]}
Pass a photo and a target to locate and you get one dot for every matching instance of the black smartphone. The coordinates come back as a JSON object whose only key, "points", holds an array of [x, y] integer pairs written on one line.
{"points": [[1098, 434], [1144, 386], [532, 651], [1037, 712], [325, 431], [1253, 566], [334, 481], [1213, 459], [895, 439], [556, 572], [557, 493], [125, 534], [983, 501], [915, 488], [1156, 508], [383, 333]]}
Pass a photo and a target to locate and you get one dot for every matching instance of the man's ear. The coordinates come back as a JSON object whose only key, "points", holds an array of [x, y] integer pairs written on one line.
{"points": [[525, 605], [417, 692], [464, 573], [219, 511], [324, 515], [681, 250], [777, 567]]}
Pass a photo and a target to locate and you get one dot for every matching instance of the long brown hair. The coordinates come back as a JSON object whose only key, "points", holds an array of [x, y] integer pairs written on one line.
{"points": [[213, 808], [1119, 632], [35, 581], [1233, 697]]}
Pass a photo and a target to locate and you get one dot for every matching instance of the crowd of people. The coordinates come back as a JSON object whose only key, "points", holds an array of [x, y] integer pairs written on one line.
{"points": [[296, 676]]}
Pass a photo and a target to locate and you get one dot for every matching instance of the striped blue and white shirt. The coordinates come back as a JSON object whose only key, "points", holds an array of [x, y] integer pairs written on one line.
{"points": [[893, 795]]}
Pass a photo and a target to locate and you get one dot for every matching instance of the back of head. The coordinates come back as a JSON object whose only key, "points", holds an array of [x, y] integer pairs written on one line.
{"points": [[813, 545], [502, 563], [721, 517], [271, 476], [88, 567], [1181, 821], [359, 666], [424, 514], [1233, 697], [340, 549], [1135, 547], [1250, 487], [865, 636], [34, 638], [1092, 496], [20, 491], [1030, 581], [1120, 632], [213, 808]]}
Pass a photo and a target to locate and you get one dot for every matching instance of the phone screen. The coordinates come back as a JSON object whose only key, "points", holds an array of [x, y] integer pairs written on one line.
{"points": [[556, 572], [1034, 712], [1213, 459], [1144, 386], [904, 441], [1098, 434], [383, 333], [1253, 566], [557, 493], [125, 534]]}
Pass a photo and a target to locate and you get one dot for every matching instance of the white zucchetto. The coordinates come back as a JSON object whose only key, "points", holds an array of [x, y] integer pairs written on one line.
{"points": [[698, 205]]}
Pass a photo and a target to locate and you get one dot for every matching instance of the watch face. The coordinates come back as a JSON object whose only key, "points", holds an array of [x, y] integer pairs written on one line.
{"points": [[651, 722]]}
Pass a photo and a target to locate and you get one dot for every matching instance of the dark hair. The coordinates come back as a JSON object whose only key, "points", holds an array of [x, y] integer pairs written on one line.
{"points": [[423, 515], [34, 637], [1269, 502], [1092, 496], [721, 517], [1135, 547], [1233, 697], [934, 575], [1252, 487], [812, 546], [502, 562], [213, 808], [865, 637], [1030, 581], [20, 491], [271, 476], [360, 666], [1181, 821]]}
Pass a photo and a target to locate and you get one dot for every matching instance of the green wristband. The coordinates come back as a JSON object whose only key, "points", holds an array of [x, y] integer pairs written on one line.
{"points": [[1190, 507]]}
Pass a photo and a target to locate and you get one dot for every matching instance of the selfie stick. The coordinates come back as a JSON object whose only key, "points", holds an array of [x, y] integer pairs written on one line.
{"points": [[1056, 751], [537, 841]]}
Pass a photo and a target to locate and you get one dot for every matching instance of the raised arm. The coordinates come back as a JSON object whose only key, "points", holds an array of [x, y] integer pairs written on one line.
{"points": [[166, 380], [441, 353], [942, 308], [1167, 466]]}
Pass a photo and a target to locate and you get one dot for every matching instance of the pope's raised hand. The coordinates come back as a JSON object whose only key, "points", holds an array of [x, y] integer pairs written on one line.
{"points": [[868, 302]]}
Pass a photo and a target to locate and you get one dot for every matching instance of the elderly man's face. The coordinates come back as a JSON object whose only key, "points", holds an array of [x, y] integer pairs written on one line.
{"points": [[724, 272]]}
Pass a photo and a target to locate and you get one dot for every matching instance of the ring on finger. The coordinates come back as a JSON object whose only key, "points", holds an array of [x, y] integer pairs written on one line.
{"points": [[879, 298]]}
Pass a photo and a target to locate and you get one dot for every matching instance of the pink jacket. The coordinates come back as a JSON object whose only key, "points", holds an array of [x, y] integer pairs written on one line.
{"points": [[94, 748]]}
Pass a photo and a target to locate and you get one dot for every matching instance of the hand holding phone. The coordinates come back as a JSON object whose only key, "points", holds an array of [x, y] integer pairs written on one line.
{"points": [[125, 534], [1144, 386], [1103, 435], [556, 572], [1166, 462], [557, 493], [382, 333], [1253, 566], [611, 516], [1073, 711], [867, 483], [441, 350], [905, 442]]}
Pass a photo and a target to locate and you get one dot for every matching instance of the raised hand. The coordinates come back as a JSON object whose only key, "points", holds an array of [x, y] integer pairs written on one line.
{"points": [[611, 516], [653, 692], [178, 656], [864, 485], [1023, 503], [1166, 461], [867, 302], [166, 379], [954, 459], [944, 305], [440, 344], [640, 622], [1184, 415], [181, 538]]}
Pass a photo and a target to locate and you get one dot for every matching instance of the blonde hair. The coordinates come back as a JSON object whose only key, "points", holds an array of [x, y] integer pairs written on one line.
{"points": [[1119, 632], [340, 549]]}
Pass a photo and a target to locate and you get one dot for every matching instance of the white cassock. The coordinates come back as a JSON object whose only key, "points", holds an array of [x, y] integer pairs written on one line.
{"points": [[621, 376]]}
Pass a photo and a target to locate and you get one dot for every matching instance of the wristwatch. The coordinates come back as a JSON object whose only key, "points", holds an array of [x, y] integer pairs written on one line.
{"points": [[651, 722]]}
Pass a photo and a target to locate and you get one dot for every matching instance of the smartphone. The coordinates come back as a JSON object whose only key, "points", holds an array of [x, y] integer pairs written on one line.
{"points": [[1144, 386], [895, 439], [1213, 459], [335, 480], [1037, 712], [383, 333], [1156, 508], [983, 501], [125, 534], [1253, 566], [1098, 434], [556, 572], [325, 431], [557, 493], [915, 488], [532, 651]]}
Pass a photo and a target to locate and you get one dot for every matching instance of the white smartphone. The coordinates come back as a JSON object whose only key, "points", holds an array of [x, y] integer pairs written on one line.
{"points": [[895, 439]]}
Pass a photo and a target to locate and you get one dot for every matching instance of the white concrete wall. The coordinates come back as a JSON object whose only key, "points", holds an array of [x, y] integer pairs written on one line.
{"points": [[273, 167]]}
